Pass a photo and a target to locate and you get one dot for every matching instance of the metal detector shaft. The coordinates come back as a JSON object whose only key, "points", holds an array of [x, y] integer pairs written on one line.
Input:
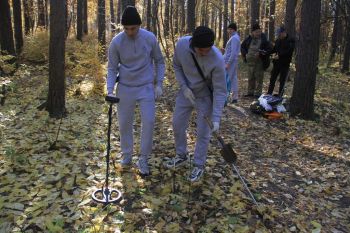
{"points": [[244, 184]]}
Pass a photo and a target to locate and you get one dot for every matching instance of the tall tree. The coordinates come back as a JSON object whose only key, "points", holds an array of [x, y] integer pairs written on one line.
{"points": [[17, 20], [290, 17], [119, 11], [334, 42], [272, 20], [149, 15], [182, 16], [111, 8], [225, 22], [80, 8], [346, 58], [220, 23], [85, 17], [254, 11], [6, 33], [232, 10], [176, 16], [155, 16], [28, 16], [302, 102], [56, 101], [126, 3], [191, 15], [101, 19], [166, 18], [41, 14]]}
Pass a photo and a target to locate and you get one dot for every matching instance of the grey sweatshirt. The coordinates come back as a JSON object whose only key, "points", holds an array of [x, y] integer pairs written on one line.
{"points": [[233, 47], [138, 60], [212, 66]]}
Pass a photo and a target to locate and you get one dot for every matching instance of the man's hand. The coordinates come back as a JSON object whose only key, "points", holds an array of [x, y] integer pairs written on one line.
{"points": [[158, 92], [216, 126], [189, 94]]}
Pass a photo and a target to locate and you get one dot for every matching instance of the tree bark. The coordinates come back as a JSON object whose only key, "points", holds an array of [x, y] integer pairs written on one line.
{"points": [[57, 89], [80, 19], [111, 8], [272, 20], [334, 43], [119, 11], [101, 19], [220, 23], [290, 17], [155, 16], [302, 101], [166, 18], [182, 16], [232, 10], [41, 14], [225, 23], [28, 16], [149, 15], [6, 32], [191, 15], [126, 3], [17, 19], [254, 11], [85, 17]]}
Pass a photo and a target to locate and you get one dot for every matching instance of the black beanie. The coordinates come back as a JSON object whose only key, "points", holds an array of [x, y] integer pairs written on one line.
{"points": [[255, 26], [131, 16], [233, 26], [203, 37]]}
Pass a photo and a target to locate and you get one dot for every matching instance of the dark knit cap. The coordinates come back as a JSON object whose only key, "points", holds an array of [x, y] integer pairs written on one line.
{"points": [[255, 26], [233, 26], [131, 16], [203, 37]]}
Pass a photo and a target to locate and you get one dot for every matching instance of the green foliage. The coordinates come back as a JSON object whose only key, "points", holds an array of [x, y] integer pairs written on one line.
{"points": [[7, 65]]}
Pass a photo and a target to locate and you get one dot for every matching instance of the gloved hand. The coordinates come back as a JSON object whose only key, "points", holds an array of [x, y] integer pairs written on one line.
{"points": [[216, 126], [189, 94], [158, 92]]}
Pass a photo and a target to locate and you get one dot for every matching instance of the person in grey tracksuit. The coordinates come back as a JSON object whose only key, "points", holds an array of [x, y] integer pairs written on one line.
{"points": [[233, 48], [195, 94], [134, 57]]}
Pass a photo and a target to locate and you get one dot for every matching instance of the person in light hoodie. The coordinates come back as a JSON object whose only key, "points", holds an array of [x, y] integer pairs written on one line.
{"points": [[194, 94], [135, 61], [233, 48]]}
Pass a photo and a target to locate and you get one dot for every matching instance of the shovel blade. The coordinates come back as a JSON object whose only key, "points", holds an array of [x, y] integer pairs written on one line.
{"points": [[228, 154]]}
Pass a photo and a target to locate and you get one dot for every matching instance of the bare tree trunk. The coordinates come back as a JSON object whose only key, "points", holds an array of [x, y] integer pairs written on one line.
{"points": [[220, 23], [166, 25], [155, 16], [6, 32], [254, 11], [119, 11], [149, 15], [17, 19], [41, 14], [85, 17], [232, 10], [80, 20], [101, 18], [302, 102], [126, 3], [272, 20], [182, 16], [225, 23], [28, 16], [345, 68], [191, 15], [290, 17], [111, 8], [56, 100], [334, 43]]}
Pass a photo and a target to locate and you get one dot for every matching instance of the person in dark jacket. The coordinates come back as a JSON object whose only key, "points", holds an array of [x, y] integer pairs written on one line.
{"points": [[283, 50], [255, 51]]}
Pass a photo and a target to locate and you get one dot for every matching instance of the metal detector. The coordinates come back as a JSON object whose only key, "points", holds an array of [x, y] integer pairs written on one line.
{"points": [[108, 195]]}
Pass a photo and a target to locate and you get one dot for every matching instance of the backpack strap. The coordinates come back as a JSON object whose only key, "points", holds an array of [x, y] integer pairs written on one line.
{"points": [[202, 75]]}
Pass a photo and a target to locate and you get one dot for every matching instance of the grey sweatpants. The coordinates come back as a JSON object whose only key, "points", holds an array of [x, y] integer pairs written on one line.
{"points": [[232, 74], [182, 114], [129, 96]]}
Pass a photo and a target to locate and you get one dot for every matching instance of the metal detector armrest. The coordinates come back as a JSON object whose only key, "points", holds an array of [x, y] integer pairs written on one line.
{"points": [[111, 99]]}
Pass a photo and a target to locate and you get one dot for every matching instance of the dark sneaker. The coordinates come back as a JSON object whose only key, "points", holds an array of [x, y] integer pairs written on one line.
{"points": [[142, 165], [234, 101], [177, 161], [196, 174], [126, 160]]}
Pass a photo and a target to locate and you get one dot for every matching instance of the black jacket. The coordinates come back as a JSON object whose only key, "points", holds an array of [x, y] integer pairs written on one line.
{"points": [[284, 48], [265, 47]]}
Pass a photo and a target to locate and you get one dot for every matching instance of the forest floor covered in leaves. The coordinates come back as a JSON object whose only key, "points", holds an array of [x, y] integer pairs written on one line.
{"points": [[298, 170]]}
